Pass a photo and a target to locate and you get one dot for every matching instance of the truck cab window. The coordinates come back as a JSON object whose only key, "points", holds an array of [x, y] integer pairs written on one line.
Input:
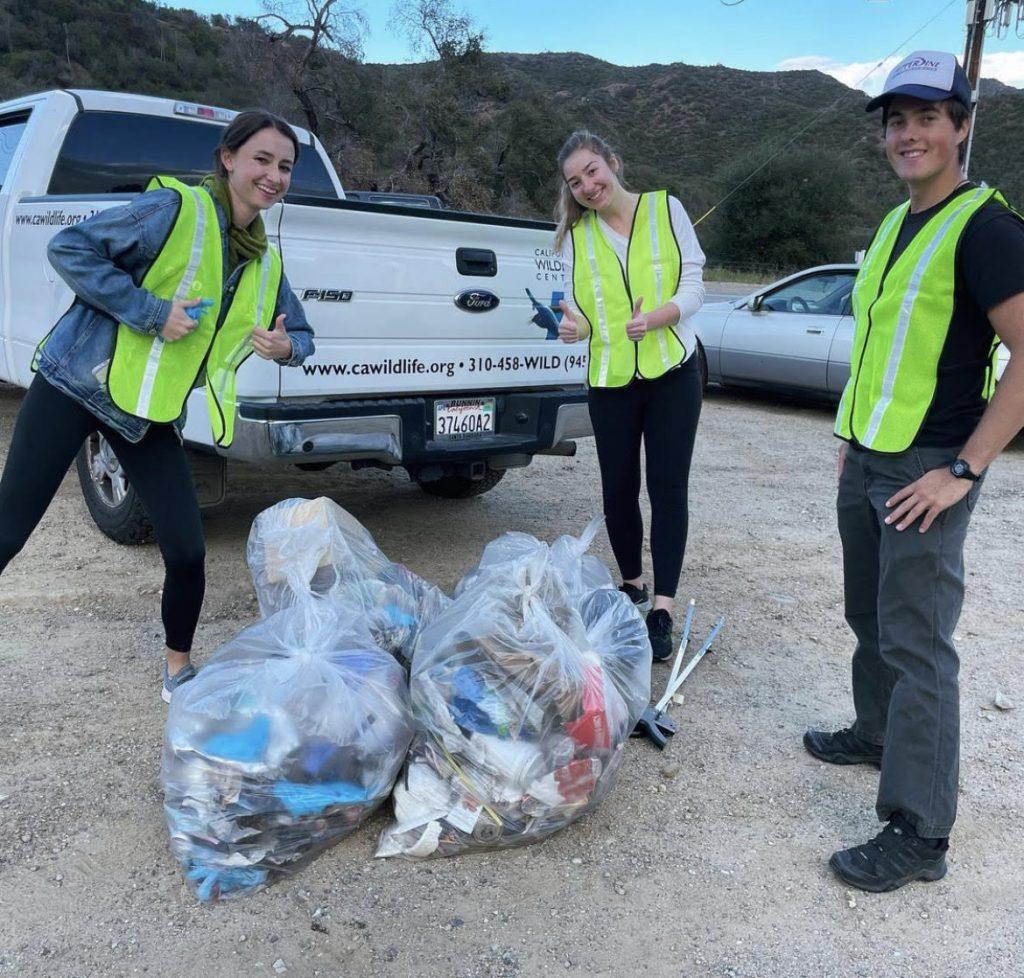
{"points": [[118, 152], [12, 128]]}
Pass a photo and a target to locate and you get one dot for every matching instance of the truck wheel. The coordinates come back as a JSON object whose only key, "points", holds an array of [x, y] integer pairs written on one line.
{"points": [[462, 486], [113, 504]]}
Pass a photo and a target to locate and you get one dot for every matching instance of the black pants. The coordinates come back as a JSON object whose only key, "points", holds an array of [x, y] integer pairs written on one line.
{"points": [[664, 414], [48, 433]]}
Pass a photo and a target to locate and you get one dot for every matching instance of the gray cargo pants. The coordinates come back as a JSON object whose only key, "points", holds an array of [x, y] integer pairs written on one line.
{"points": [[903, 594]]}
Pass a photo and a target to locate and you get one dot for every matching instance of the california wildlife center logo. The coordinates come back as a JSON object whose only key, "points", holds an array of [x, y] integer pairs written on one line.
{"points": [[477, 300]]}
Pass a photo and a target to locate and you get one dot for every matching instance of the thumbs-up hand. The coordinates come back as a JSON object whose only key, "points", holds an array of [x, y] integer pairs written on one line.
{"points": [[637, 327], [568, 328], [273, 344]]}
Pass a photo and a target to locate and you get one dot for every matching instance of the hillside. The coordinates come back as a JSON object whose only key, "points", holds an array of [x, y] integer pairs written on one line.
{"points": [[482, 130]]}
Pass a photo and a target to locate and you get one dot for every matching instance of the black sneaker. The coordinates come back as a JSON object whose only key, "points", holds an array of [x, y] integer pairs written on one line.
{"points": [[893, 858], [659, 631], [638, 595], [842, 747]]}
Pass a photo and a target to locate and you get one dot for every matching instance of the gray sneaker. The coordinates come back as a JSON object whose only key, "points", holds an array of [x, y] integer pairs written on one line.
{"points": [[171, 683]]}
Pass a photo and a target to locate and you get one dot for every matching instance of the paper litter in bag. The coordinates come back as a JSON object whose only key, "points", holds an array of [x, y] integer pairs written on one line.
{"points": [[286, 740], [524, 692]]}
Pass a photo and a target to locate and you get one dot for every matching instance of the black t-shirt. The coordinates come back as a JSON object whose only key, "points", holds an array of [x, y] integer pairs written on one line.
{"points": [[989, 270]]}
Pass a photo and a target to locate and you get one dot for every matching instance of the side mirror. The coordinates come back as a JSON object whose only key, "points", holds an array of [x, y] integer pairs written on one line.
{"points": [[755, 304]]}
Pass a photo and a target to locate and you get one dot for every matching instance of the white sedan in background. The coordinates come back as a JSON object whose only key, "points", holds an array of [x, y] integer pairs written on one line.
{"points": [[793, 336]]}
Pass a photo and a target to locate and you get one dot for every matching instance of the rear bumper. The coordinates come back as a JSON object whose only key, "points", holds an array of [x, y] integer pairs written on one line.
{"points": [[399, 431]]}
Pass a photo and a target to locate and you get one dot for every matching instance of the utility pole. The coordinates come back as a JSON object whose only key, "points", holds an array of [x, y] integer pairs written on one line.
{"points": [[983, 17]]}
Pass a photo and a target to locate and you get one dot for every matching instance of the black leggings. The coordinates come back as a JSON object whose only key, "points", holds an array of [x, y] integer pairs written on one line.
{"points": [[49, 431], [664, 413]]}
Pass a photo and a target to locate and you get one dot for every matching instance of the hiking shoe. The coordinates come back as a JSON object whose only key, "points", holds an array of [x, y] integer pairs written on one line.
{"points": [[171, 683], [842, 747], [638, 595], [894, 857], [659, 631]]}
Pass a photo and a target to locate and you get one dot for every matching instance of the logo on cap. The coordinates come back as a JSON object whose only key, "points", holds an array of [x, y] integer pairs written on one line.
{"points": [[911, 64]]}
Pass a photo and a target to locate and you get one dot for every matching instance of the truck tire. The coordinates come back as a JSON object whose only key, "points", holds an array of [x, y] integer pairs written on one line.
{"points": [[462, 486], [113, 504]]}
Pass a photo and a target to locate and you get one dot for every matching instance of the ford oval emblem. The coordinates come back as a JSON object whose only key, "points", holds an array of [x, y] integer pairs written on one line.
{"points": [[477, 300]]}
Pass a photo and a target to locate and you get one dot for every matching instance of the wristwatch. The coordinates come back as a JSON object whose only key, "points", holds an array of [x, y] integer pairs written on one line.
{"points": [[962, 470]]}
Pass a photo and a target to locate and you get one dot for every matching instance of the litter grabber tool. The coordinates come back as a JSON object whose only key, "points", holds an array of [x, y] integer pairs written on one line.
{"points": [[683, 642], [655, 723]]}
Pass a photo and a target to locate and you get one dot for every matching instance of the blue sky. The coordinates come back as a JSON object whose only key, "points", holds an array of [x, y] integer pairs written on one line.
{"points": [[846, 38]]}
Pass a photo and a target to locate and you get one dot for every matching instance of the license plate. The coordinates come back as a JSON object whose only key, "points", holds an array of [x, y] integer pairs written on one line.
{"points": [[463, 418]]}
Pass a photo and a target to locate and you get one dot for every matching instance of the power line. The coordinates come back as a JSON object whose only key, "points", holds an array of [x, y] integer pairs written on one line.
{"points": [[828, 108]]}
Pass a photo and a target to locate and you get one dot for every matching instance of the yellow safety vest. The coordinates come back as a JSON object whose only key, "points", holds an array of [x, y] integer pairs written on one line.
{"points": [[604, 292], [902, 317], [150, 378]]}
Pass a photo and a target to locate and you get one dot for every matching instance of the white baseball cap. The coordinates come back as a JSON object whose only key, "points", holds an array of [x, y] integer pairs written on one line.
{"points": [[933, 76]]}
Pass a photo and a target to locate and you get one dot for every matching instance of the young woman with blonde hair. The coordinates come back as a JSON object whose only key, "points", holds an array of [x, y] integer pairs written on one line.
{"points": [[633, 267]]}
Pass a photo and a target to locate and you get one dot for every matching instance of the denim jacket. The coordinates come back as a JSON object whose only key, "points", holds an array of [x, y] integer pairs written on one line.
{"points": [[104, 260]]}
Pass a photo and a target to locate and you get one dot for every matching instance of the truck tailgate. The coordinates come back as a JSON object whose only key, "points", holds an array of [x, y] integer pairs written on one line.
{"points": [[394, 313]]}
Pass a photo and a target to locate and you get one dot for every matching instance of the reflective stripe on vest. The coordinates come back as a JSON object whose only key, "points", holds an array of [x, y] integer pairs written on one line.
{"points": [[150, 378], [254, 304], [604, 292], [902, 317]]}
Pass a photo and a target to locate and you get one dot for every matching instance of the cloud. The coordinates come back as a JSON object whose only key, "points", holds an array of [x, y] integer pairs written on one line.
{"points": [[851, 73], [1006, 66]]}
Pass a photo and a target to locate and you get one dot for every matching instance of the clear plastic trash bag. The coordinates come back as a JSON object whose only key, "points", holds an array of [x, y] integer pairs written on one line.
{"points": [[287, 739], [524, 692], [303, 546]]}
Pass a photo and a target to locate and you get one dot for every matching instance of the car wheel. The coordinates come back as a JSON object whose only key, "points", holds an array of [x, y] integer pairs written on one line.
{"points": [[462, 486], [112, 501]]}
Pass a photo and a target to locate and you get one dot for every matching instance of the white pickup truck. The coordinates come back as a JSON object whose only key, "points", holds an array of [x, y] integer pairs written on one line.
{"points": [[436, 347]]}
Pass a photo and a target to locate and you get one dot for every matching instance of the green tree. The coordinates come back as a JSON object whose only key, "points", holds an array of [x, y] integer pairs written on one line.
{"points": [[436, 30], [787, 215], [448, 107]]}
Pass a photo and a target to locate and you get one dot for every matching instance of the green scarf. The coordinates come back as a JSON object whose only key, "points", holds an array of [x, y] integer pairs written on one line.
{"points": [[244, 244]]}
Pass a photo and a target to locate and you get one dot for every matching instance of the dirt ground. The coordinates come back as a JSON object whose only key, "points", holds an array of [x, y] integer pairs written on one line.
{"points": [[707, 860]]}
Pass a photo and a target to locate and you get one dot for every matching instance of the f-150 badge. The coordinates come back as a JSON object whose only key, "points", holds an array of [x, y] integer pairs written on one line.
{"points": [[326, 295]]}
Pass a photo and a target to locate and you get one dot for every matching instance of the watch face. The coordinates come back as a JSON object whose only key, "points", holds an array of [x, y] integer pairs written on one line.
{"points": [[960, 468]]}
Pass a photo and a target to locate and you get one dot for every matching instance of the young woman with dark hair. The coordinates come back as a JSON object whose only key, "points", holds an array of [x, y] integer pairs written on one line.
{"points": [[173, 290], [634, 267]]}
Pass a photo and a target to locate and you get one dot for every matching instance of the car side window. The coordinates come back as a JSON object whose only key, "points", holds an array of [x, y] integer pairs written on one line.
{"points": [[827, 293]]}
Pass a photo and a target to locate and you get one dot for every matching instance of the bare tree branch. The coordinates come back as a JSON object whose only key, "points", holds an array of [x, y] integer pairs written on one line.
{"points": [[303, 35]]}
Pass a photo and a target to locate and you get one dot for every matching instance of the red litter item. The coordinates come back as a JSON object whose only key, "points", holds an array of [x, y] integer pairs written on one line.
{"points": [[590, 728], [577, 779]]}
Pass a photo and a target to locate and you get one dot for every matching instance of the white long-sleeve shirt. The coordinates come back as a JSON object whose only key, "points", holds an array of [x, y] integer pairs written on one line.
{"points": [[690, 295]]}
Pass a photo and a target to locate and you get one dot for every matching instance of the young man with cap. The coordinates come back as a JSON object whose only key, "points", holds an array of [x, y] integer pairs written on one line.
{"points": [[941, 284]]}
